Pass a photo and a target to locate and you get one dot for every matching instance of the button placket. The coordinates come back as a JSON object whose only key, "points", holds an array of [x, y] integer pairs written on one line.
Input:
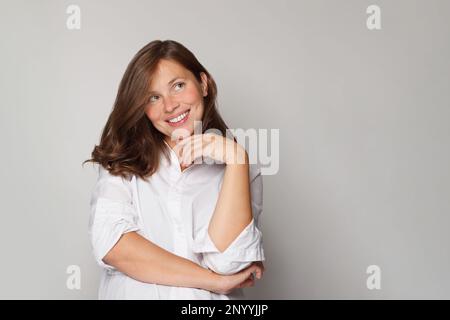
{"points": [[175, 207]]}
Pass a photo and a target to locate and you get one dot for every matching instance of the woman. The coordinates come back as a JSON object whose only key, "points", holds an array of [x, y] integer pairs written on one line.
{"points": [[163, 224]]}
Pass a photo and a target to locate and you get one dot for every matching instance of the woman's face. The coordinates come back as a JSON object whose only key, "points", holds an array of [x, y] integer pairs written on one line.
{"points": [[176, 99]]}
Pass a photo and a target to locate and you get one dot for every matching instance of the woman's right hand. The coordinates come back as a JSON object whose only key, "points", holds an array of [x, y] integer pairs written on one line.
{"points": [[244, 278]]}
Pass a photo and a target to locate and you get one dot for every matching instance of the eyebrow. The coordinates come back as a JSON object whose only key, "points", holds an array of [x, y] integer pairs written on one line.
{"points": [[168, 83]]}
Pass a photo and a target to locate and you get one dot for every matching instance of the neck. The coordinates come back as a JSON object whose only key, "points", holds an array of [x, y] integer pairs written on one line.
{"points": [[170, 142]]}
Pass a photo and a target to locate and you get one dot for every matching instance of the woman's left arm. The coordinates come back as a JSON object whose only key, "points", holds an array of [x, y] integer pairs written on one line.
{"points": [[232, 241], [233, 211]]}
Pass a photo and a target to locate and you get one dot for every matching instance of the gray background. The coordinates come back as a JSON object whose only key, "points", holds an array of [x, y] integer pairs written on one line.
{"points": [[364, 136]]}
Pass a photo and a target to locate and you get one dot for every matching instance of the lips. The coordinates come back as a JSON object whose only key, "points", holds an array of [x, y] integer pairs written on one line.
{"points": [[177, 115], [181, 122]]}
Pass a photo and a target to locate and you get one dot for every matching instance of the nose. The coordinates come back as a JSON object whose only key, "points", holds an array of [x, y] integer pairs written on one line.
{"points": [[170, 104]]}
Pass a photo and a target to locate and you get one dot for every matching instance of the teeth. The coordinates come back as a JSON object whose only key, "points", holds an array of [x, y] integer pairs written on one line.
{"points": [[179, 118]]}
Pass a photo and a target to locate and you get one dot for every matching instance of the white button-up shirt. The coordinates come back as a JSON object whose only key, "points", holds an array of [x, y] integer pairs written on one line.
{"points": [[172, 210]]}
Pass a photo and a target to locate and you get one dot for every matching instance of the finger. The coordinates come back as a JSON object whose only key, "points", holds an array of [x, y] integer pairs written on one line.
{"points": [[190, 139], [244, 284], [198, 139], [245, 274], [250, 270], [186, 153], [191, 143], [197, 153], [208, 151], [251, 277], [260, 265], [190, 153], [247, 283], [185, 141], [194, 151], [178, 148], [258, 274], [259, 271]]}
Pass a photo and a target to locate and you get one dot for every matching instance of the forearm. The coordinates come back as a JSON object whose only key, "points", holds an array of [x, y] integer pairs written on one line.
{"points": [[233, 211], [145, 261]]}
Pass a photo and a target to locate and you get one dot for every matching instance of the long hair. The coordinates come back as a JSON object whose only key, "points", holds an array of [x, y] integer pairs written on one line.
{"points": [[129, 143]]}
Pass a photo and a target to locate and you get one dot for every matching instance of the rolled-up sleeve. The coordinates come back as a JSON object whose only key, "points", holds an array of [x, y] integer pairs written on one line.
{"points": [[245, 248], [112, 214]]}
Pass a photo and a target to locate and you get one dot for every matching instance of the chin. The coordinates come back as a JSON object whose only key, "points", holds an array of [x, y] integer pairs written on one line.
{"points": [[185, 132]]}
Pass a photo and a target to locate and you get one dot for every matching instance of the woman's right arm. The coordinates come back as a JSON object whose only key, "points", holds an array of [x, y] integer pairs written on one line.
{"points": [[116, 244], [143, 260]]}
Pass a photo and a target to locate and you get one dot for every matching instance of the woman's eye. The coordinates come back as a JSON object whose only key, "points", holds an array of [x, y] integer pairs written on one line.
{"points": [[180, 84], [151, 98]]}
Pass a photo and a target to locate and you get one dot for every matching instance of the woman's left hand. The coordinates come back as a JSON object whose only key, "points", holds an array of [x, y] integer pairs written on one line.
{"points": [[210, 145]]}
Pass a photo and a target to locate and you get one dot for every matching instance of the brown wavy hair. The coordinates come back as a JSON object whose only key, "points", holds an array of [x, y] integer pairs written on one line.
{"points": [[129, 143]]}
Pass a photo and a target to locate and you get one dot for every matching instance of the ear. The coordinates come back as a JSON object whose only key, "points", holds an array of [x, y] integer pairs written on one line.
{"points": [[204, 84]]}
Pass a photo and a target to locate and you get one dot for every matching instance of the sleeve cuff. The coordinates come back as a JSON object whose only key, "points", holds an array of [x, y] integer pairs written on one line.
{"points": [[112, 220], [246, 248]]}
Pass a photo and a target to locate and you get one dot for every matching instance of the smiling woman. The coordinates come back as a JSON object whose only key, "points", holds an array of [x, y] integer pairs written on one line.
{"points": [[163, 80], [162, 227], [177, 100]]}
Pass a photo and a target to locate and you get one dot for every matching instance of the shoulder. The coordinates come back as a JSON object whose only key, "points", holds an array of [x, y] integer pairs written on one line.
{"points": [[112, 187], [105, 174]]}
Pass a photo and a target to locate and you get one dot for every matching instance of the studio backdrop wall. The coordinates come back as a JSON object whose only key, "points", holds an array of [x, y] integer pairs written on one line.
{"points": [[358, 91]]}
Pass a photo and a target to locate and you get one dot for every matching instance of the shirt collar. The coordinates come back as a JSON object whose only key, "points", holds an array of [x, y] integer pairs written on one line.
{"points": [[174, 162]]}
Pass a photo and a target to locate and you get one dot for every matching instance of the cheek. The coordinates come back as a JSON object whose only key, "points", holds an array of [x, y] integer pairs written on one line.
{"points": [[199, 112], [153, 113], [191, 96]]}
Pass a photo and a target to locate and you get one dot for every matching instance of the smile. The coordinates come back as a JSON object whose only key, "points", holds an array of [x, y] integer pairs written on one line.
{"points": [[179, 119]]}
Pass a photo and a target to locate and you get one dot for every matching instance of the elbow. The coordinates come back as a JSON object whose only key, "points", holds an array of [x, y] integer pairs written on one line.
{"points": [[223, 266], [106, 258], [111, 253], [245, 250], [111, 258]]}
